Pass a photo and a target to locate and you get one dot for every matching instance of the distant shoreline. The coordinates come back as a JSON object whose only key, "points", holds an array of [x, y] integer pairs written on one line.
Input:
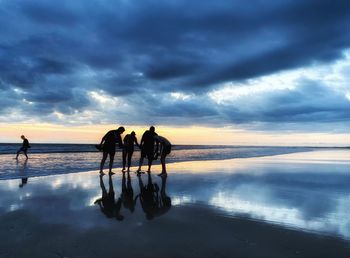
{"points": [[51, 148]]}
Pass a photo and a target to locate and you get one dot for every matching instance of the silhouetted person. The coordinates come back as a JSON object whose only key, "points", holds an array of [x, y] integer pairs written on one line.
{"points": [[164, 147], [128, 193], [107, 201], [147, 147], [24, 148], [128, 150], [108, 143], [148, 197]]}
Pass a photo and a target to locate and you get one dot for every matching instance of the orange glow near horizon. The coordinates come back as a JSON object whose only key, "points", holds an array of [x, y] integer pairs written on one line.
{"points": [[51, 133]]}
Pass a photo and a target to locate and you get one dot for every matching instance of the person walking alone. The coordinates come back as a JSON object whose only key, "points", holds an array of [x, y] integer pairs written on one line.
{"points": [[24, 148]]}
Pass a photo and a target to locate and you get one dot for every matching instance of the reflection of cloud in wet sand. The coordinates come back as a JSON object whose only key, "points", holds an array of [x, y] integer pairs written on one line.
{"points": [[308, 196]]}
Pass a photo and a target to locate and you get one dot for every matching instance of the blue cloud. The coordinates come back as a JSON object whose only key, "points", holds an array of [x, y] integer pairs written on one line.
{"points": [[141, 52]]}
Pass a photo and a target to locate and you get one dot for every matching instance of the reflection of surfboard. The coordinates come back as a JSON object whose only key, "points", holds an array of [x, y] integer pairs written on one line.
{"points": [[99, 147]]}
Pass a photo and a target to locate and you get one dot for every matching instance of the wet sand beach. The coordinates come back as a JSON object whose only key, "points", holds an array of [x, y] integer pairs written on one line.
{"points": [[293, 205]]}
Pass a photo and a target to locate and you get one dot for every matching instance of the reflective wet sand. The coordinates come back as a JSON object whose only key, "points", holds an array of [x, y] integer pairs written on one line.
{"points": [[294, 205]]}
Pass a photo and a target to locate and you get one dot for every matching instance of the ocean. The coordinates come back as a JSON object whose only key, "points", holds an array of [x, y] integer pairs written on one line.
{"points": [[51, 159]]}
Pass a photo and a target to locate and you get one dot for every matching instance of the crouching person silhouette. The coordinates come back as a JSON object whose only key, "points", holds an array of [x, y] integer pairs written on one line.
{"points": [[108, 144], [164, 147]]}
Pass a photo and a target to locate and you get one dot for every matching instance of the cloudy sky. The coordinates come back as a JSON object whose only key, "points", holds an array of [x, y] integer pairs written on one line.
{"points": [[243, 69]]}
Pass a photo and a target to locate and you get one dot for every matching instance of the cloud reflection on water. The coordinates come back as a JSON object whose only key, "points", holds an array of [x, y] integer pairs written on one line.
{"points": [[308, 196]]}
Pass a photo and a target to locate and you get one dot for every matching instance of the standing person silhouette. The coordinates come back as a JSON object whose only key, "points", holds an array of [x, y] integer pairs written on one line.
{"points": [[24, 148], [147, 148], [164, 147], [128, 150], [108, 143]]}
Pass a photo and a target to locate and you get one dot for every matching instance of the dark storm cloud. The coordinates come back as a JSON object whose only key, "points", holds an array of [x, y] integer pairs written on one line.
{"points": [[57, 52], [310, 102], [44, 12], [166, 108]]}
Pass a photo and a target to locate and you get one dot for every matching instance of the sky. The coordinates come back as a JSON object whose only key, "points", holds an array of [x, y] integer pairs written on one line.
{"points": [[203, 72]]}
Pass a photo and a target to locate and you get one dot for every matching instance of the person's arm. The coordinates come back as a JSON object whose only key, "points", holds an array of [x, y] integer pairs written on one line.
{"points": [[104, 138], [119, 140], [157, 145], [135, 140], [98, 200], [142, 140]]}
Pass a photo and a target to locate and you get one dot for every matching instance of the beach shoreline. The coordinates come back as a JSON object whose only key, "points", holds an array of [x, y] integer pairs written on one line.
{"points": [[43, 164], [250, 207]]}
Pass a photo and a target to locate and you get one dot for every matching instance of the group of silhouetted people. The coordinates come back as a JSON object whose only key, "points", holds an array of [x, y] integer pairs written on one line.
{"points": [[152, 146], [154, 201]]}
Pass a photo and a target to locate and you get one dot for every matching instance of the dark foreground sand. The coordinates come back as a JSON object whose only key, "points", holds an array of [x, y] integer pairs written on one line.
{"points": [[188, 232], [55, 216]]}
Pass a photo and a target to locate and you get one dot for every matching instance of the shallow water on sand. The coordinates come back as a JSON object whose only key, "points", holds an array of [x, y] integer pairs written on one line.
{"points": [[311, 195], [282, 206], [66, 158]]}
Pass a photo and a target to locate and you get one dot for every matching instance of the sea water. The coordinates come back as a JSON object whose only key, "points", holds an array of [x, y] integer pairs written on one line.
{"points": [[50, 159]]}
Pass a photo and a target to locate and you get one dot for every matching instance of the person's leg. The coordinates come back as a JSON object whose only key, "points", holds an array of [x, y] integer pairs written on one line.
{"points": [[123, 183], [129, 159], [125, 153], [129, 186], [150, 160], [18, 153], [25, 153], [162, 160], [111, 159], [103, 188], [104, 157], [149, 181], [110, 182], [165, 152], [141, 160]]}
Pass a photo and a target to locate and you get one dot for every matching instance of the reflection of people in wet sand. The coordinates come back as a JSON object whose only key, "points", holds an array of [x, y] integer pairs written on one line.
{"points": [[108, 144], [148, 197], [117, 208], [128, 150], [128, 193], [106, 202], [164, 200], [24, 148], [164, 147], [147, 147]]}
